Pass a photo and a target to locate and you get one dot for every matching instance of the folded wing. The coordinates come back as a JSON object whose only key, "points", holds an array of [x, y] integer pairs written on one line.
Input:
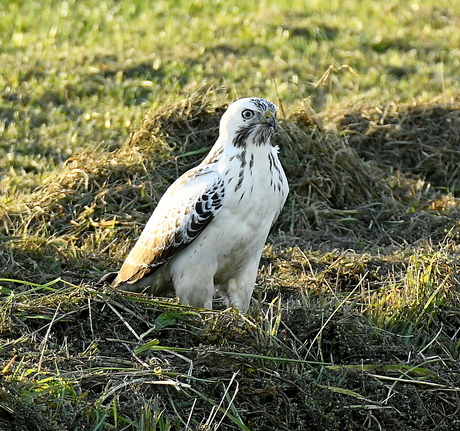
{"points": [[184, 211]]}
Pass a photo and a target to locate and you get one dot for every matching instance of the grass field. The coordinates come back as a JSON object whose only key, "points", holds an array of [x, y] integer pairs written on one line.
{"points": [[355, 321]]}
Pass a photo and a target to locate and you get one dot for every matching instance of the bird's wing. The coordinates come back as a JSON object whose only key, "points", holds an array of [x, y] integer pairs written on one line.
{"points": [[184, 211], [281, 184]]}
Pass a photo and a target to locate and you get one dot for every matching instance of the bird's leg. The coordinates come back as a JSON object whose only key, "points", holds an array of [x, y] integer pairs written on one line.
{"points": [[239, 289], [195, 289]]}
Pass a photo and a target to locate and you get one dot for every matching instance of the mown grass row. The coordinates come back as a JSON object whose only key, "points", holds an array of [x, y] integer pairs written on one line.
{"points": [[329, 326], [94, 360]]}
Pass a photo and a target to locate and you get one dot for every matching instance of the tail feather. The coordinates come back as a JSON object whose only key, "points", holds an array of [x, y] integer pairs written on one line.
{"points": [[107, 279]]}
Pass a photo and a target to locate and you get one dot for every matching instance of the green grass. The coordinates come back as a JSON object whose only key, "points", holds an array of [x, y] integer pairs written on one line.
{"points": [[356, 312], [79, 73]]}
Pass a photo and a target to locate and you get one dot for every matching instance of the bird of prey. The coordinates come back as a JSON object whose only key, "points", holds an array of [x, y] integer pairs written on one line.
{"points": [[209, 228]]}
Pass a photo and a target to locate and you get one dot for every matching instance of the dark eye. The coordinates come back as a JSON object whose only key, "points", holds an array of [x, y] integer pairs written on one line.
{"points": [[247, 114]]}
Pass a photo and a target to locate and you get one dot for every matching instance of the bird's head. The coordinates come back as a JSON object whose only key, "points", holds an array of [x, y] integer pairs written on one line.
{"points": [[249, 121]]}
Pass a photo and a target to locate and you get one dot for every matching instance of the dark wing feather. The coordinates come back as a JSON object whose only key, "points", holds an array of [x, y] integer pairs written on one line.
{"points": [[185, 210]]}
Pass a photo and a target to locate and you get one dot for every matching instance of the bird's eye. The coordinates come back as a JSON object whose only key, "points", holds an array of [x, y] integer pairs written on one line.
{"points": [[247, 114]]}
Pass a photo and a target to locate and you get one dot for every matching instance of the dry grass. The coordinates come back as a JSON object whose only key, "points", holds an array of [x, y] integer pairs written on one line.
{"points": [[355, 319], [420, 139]]}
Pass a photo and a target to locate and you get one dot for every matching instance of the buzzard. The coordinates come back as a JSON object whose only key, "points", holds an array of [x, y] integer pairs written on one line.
{"points": [[208, 230]]}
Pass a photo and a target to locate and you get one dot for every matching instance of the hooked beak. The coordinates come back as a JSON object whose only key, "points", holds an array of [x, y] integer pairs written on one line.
{"points": [[270, 119]]}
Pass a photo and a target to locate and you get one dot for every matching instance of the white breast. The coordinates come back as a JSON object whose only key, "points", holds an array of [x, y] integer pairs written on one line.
{"points": [[256, 189]]}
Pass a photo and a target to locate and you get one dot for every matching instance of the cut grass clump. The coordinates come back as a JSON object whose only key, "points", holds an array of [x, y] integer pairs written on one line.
{"points": [[328, 179], [100, 196], [107, 360], [425, 300], [411, 292], [419, 139]]}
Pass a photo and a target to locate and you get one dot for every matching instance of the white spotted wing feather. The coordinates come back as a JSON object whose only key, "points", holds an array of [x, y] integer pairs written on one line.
{"points": [[186, 208]]}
